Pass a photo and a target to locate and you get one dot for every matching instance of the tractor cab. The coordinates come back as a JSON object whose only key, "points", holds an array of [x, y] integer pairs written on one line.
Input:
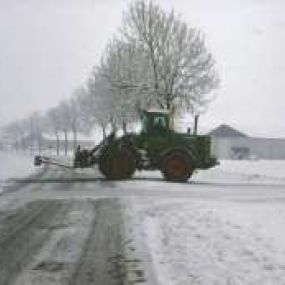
{"points": [[155, 122]]}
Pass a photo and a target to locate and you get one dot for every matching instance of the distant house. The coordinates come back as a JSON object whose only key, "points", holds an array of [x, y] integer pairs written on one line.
{"points": [[229, 143]]}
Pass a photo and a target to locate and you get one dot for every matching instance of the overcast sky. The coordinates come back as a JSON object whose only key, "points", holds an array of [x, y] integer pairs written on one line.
{"points": [[47, 48]]}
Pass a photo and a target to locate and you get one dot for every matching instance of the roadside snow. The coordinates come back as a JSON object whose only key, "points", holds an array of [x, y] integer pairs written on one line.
{"points": [[244, 171], [14, 165], [198, 242], [269, 168], [233, 236]]}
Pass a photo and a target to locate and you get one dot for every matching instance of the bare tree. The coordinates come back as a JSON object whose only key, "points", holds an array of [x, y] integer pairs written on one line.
{"points": [[155, 61], [53, 125], [119, 77], [69, 116], [102, 102], [14, 132], [80, 120], [182, 69], [35, 131], [65, 113], [87, 110]]}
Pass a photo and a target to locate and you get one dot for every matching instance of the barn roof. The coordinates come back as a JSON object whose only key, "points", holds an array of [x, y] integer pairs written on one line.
{"points": [[226, 131]]}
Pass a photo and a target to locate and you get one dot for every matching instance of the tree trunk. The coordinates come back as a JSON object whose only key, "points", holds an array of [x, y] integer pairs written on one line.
{"points": [[124, 126], [65, 143], [57, 144], [74, 140], [104, 131], [32, 135], [39, 142], [168, 105], [196, 124], [113, 125], [32, 144]]}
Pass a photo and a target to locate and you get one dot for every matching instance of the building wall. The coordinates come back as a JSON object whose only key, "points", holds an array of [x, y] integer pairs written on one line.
{"points": [[223, 147], [268, 148], [237, 147]]}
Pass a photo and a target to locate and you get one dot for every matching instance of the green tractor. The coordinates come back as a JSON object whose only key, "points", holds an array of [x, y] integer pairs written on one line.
{"points": [[156, 147]]}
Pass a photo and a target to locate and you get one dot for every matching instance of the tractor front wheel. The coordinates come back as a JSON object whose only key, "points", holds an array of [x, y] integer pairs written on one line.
{"points": [[177, 167], [117, 165]]}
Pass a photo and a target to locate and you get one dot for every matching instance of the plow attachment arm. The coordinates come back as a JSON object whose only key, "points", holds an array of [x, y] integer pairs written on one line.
{"points": [[40, 160], [83, 158]]}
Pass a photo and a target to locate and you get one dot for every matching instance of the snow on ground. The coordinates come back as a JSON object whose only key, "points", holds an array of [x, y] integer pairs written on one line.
{"points": [[218, 242], [236, 239], [227, 229], [245, 171], [15, 165], [21, 164], [269, 168], [235, 171]]}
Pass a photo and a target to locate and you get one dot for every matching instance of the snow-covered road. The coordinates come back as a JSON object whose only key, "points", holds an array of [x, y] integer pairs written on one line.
{"points": [[226, 226]]}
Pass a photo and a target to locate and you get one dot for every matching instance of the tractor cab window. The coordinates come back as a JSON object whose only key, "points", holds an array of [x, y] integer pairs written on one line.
{"points": [[159, 123], [154, 123], [145, 124]]}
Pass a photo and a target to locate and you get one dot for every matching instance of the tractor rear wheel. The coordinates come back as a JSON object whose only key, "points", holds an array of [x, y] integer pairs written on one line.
{"points": [[177, 167], [117, 165]]}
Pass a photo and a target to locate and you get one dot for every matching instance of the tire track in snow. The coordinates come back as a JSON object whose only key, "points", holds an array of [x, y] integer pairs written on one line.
{"points": [[103, 243], [22, 234], [74, 242]]}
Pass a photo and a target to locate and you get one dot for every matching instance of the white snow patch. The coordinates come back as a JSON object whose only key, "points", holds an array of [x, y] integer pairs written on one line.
{"points": [[207, 239], [214, 242], [244, 171], [233, 171], [15, 165]]}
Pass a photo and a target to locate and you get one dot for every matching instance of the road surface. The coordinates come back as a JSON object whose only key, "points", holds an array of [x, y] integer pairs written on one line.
{"points": [[71, 227]]}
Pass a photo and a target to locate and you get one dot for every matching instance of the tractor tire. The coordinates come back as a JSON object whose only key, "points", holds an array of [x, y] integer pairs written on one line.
{"points": [[177, 167], [118, 165]]}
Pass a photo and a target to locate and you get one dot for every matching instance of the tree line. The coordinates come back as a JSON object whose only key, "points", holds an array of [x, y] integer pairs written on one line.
{"points": [[155, 60]]}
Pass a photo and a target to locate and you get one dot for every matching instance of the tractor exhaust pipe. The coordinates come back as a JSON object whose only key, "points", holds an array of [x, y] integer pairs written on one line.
{"points": [[196, 119]]}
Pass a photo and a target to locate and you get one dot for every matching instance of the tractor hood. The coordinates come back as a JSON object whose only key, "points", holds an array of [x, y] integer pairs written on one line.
{"points": [[202, 144]]}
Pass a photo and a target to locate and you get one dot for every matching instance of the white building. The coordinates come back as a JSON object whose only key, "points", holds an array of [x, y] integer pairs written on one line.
{"points": [[228, 143]]}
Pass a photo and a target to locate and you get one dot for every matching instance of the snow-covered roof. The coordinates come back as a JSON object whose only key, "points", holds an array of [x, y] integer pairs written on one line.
{"points": [[226, 131]]}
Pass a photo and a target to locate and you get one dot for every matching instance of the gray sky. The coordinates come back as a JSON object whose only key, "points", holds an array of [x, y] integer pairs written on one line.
{"points": [[49, 48]]}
